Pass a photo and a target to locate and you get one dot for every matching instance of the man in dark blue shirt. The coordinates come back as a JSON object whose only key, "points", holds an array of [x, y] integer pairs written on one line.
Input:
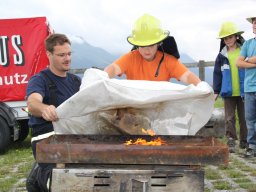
{"points": [[46, 91]]}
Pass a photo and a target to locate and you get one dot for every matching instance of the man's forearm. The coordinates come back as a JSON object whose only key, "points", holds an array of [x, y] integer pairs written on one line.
{"points": [[110, 71], [190, 78], [249, 62], [36, 108]]}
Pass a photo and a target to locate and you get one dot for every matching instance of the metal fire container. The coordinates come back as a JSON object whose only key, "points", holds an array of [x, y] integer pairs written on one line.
{"points": [[215, 126], [104, 163]]}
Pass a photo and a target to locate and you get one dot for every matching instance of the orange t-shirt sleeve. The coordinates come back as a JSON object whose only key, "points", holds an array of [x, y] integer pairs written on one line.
{"points": [[123, 62], [177, 68]]}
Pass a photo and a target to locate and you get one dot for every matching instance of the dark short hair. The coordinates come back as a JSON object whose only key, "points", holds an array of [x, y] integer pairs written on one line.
{"points": [[239, 39], [55, 39]]}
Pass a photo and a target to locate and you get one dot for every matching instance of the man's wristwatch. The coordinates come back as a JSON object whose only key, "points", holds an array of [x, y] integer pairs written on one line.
{"points": [[246, 59]]}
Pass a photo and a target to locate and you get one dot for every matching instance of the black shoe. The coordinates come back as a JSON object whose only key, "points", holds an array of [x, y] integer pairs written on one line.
{"points": [[31, 183], [243, 144], [231, 145], [250, 153]]}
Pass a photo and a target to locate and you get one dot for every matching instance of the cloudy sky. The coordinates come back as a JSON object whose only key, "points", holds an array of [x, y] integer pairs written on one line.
{"points": [[107, 23]]}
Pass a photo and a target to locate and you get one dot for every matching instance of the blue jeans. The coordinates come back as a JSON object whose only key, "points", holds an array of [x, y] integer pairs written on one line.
{"points": [[250, 116]]}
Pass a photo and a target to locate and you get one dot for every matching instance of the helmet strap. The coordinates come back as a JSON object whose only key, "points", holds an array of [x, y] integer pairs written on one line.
{"points": [[161, 60]]}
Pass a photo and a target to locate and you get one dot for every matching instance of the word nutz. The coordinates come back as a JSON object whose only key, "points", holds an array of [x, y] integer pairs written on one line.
{"points": [[14, 79]]}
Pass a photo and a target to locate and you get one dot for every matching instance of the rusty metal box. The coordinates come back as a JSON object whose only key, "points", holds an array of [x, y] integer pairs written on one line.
{"points": [[98, 163], [100, 149]]}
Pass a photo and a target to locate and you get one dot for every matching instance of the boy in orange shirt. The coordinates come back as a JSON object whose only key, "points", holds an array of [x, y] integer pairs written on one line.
{"points": [[146, 62]]}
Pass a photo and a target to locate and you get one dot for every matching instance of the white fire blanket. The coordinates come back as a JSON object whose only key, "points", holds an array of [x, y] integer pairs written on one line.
{"points": [[113, 106]]}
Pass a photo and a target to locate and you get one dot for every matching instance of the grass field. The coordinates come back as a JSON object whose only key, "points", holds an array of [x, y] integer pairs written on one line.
{"points": [[15, 165]]}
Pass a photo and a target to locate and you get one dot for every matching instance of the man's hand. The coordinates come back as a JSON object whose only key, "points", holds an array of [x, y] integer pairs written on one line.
{"points": [[252, 59], [38, 109], [190, 78], [49, 113], [216, 96], [112, 70]]}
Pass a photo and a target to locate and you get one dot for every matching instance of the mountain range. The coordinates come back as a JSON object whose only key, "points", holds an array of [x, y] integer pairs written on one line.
{"points": [[85, 55]]}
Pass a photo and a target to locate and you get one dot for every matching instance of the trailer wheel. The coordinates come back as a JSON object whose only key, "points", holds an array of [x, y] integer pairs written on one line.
{"points": [[5, 135], [24, 130]]}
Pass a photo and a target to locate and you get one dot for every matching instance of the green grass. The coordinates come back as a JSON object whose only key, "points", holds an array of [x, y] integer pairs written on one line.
{"points": [[222, 185], [249, 186], [219, 103], [234, 174], [15, 164], [212, 174]]}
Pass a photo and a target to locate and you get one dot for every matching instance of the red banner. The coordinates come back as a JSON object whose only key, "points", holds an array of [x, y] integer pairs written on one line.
{"points": [[22, 54]]}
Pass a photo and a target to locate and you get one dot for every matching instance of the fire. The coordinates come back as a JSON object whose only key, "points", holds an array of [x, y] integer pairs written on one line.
{"points": [[156, 142], [150, 132]]}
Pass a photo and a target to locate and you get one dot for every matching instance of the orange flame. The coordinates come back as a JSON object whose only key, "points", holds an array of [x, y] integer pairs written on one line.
{"points": [[156, 142], [150, 132]]}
